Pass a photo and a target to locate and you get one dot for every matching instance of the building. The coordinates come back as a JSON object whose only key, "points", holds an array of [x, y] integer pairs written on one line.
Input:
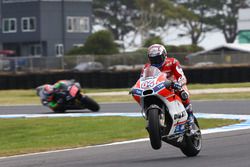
{"points": [[230, 53], [243, 35], [44, 27]]}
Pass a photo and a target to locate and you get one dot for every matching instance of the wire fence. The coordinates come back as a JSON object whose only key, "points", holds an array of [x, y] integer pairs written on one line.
{"points": [[219, 58], [125, 61]]}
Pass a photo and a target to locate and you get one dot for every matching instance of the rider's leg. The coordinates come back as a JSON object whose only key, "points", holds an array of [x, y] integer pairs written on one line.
{"points": [[186, 102]]}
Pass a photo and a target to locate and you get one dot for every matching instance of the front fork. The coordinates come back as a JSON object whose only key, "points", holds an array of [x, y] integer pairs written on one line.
{"points": [[161, 115]]}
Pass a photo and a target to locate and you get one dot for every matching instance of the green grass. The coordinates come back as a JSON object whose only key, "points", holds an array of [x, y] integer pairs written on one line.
{"points": [[221, 85], [19, 136], [8, 97], [190, 86], [25, 97], [213, 96], [222, 96]]}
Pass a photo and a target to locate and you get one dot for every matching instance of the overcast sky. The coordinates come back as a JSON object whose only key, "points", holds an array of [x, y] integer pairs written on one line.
{"points": [[210, 40]]}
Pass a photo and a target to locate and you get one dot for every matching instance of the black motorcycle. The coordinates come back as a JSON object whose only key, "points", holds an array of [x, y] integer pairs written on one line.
{"points": [[68, 97]]}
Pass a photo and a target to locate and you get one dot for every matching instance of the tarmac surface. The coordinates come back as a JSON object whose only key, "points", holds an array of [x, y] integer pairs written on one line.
{"points": [[227, 149]]}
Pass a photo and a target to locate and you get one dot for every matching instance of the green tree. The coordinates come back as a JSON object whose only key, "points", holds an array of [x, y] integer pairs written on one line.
{"points": [[224, 16], [115, 15], [193, 15], [153, 14], [101, 42], [139, 16]]}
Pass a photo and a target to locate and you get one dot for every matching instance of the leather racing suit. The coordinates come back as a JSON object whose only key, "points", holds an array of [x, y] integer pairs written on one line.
{"points": [[172, 68]]}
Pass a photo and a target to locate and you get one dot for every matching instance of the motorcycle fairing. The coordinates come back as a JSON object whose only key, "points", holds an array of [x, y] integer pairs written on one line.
{"points": [[178, 115]]}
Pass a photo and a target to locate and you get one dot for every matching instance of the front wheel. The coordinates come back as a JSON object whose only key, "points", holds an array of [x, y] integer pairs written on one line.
{"points": [[192, 143], [90, 103], [154, 128]]}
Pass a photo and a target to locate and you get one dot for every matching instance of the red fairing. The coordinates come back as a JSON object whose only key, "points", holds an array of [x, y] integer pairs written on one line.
{"points": [[137, 98], [172, 68]]}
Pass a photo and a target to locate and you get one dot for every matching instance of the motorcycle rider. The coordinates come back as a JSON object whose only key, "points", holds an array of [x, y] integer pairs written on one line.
{"points": [[53, 95], [157, 56], [47, 95]]}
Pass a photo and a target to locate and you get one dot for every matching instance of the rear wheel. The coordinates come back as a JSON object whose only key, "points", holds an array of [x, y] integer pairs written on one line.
{"points": [[154, 128], [90, 104], [192, 145]]}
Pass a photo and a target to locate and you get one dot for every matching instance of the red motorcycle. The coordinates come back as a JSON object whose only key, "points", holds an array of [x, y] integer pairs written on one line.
{"points": [[165, 114]]}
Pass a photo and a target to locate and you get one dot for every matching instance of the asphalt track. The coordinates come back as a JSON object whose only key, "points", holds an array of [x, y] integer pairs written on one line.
{"points": [[221, 107], [230, 149]]}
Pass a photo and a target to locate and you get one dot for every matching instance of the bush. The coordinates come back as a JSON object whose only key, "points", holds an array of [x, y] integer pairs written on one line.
{"points": [[76, 51], [183, 48], [152, 40], [101, 42], [172, 48]]}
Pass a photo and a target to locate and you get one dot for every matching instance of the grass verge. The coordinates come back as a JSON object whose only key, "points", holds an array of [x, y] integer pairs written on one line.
{"points": [[190, 86], [9, 97], [26, 97], [213, 96], [19, 136]]}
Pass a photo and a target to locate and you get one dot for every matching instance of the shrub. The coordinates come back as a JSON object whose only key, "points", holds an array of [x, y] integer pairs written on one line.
{"points": [[76, 51], [101, 42], [152, 40], [183, 48]]}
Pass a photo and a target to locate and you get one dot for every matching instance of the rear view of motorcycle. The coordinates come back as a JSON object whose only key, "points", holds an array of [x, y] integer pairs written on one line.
{"points": [[66, 95], [165, 114]]}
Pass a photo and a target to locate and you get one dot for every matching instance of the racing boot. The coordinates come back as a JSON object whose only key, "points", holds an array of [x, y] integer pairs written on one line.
{"points": [[190, 113], [190, 122]]}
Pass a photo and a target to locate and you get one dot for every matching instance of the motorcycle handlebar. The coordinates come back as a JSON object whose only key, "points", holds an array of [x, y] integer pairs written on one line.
{"points": [[168, 84]]}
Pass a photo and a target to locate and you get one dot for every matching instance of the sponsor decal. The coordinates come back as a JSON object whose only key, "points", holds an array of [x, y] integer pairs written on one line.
{"points": [[159, 87]]}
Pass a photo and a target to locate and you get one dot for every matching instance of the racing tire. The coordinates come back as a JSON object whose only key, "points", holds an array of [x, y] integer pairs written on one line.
{"points": [[91, 104], [154, 128], [193, 143]]}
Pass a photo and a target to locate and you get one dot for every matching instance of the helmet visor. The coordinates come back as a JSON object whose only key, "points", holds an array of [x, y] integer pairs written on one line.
{"points": [[156, 60]]}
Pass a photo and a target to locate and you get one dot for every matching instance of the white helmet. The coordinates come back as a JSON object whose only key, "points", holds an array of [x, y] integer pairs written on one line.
{"points": [[156, 55]]}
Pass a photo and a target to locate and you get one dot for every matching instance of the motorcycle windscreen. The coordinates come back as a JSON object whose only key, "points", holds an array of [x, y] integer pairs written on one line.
{"points": [[73, 91], [150, 72]]}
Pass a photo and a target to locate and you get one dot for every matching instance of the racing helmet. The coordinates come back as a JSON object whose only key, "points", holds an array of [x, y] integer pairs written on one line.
{"points": [[156, 55], [48, 90]]}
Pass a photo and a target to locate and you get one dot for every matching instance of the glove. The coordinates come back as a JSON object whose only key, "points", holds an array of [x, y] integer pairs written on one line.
{"points": [[176, 86]]}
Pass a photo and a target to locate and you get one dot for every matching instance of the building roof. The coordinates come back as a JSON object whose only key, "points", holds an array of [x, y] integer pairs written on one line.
{"points": [[231, 46]]}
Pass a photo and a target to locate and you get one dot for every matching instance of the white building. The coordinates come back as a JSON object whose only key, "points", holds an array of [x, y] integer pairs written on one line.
{"points": [[244, 26]]}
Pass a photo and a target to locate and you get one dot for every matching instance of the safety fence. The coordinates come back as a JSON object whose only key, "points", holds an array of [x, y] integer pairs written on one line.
{"points": [[220, 57], [118, 62], [122, 79], [124, 61]]}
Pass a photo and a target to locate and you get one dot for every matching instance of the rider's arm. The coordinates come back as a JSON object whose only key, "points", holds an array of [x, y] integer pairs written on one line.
{"points": [[178, 73]]}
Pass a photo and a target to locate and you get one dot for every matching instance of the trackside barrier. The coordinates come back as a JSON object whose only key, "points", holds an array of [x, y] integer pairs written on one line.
{"points": [[121, 79]]}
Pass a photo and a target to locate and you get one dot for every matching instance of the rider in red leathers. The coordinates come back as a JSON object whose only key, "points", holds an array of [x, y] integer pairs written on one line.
{"points": [[157, 56]]}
